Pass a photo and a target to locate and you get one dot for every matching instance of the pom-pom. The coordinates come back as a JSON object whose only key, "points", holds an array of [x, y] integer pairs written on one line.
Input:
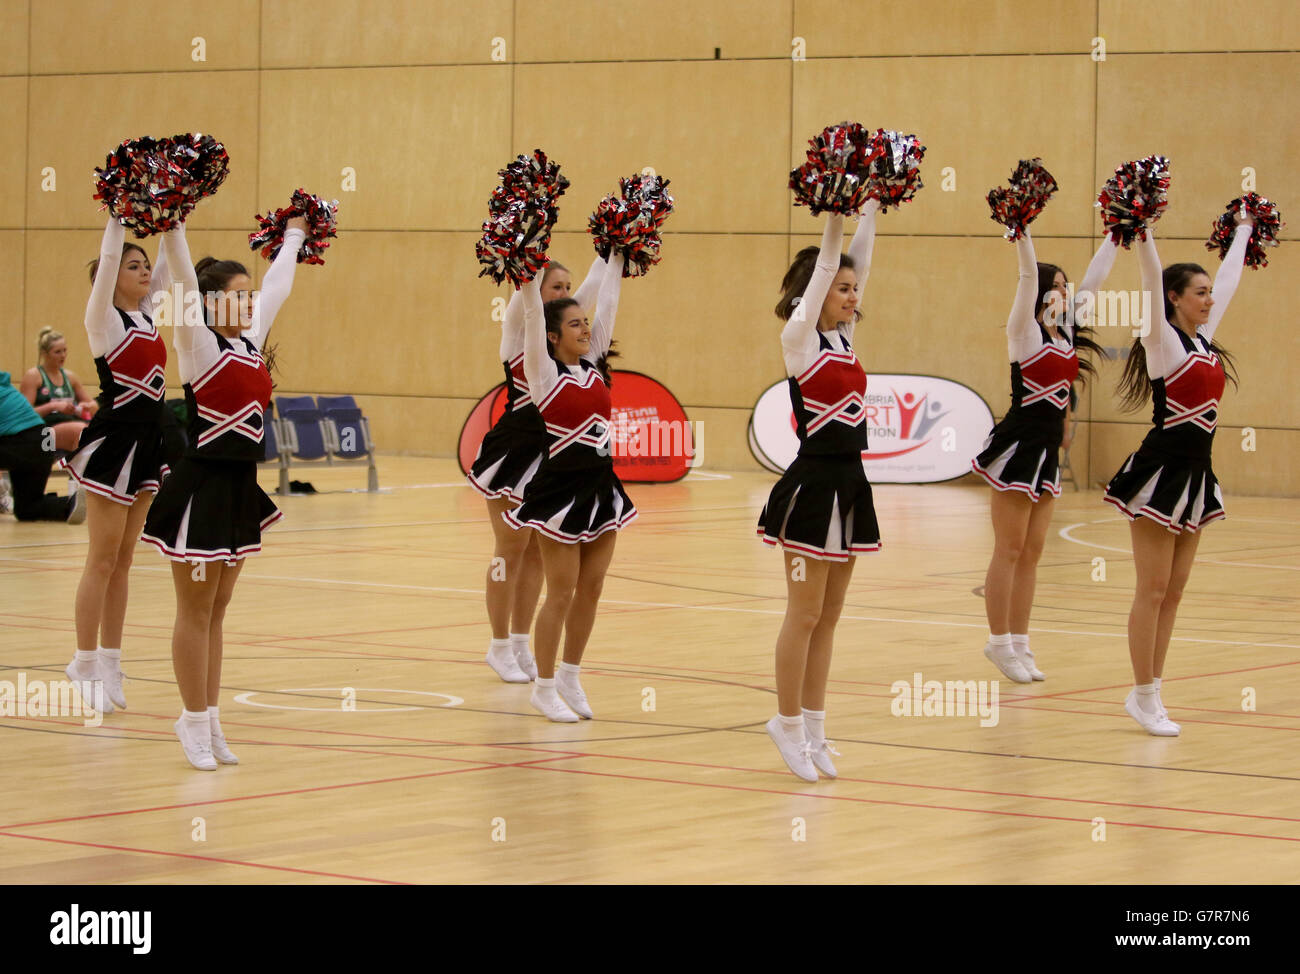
{"points": [[1268, 224], [1134, 198], [322, 224], [894, 173], [151, 185], [1015, 208], [834, 178], [629, 223], [521, 213]]}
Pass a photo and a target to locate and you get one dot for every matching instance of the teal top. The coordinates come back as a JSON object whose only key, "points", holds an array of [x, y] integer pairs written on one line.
{"points": [[16, 413]]}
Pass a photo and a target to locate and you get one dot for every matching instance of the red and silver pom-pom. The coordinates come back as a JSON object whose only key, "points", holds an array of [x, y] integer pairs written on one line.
{"points": [[204, 162], [629, 223], [894, 174], [514, 243], [322, 224], [834, 177], [1268, 224], [142, 187], [521, 212], [1134, 198], [1015, 208]]}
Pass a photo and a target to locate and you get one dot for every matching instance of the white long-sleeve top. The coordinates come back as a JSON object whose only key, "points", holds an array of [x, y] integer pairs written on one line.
{"points": [[104, 326], [1164, 349], [512, 328], [197, 347], [1024, 339], [539, 368], [800, 344]]}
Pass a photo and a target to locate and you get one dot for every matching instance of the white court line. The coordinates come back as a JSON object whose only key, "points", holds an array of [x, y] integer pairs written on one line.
{"points": [[1065, 533]]}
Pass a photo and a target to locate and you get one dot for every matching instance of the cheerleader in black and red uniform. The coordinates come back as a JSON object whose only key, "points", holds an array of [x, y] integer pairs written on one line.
{"points": [[575, 503], [120, 458], [507, 459], [1167, 488], [210, 513], [821, 510], [1020, 456]]}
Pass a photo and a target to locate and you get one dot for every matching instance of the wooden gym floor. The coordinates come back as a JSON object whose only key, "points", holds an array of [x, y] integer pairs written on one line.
{"points": [[443, 774]]}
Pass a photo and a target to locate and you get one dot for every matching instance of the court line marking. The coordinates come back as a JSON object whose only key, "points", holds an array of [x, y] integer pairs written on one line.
{"points": [[452, 700], [1065, 533]]}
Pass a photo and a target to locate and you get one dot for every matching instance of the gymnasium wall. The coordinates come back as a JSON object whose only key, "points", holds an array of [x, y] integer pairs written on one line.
{"points": [[423, 100]]}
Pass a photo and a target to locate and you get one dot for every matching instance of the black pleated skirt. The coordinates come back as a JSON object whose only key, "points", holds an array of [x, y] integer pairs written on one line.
{"points": [[1021, 455], [210, 510], [508, 458], [117, 460], [574, 505], [1179, 492], [822, 507]]}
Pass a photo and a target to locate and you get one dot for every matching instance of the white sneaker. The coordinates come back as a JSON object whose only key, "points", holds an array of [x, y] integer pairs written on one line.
{"points": [[77, 513], [573, 695], [1009, 664], [220, 750], [1165, 714], [795, 754], [91, 689], [503, 661], [197, 743], [527, 665], [552, 707], [820, 754], [1026, 660], [1157, 724], [113, 686]]}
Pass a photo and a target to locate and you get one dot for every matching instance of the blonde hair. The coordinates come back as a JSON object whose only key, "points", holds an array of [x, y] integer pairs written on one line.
{"points": [[45, 341]]}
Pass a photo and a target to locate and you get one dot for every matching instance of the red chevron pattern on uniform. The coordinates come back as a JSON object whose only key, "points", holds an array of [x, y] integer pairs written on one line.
{"points": [[1192, 392], [832, 389], [231, 393], [525, 397], [137, 365], [577, 410], [1047, 374]]}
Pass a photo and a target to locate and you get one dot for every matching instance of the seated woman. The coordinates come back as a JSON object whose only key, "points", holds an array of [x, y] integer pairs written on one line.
{"points": [[26, 455], [63, 404]]}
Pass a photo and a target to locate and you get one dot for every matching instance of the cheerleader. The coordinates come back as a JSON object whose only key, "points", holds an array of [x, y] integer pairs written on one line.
{"points": [[820, 511], [1167, 489], [507, 459], [210, 513], [1020, 456], [575, 502], [120, 459]]}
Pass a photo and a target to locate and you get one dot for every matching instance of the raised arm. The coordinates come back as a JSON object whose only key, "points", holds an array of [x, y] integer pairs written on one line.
{"points": [[1098, 270], [159, 283], [799, 336], [860, 248], [1229, 276], [187, 327], [1162, 346], [589, 290], [100, 316], [1023, 336], [539, 368], [602, 325], [512, 328], [276, 285]]}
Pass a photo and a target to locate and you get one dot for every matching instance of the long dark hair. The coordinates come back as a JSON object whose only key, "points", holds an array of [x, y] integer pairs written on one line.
{"points": [[797, 277], [1134, 384], [1081, 337], [215, 275], [554, 312]]}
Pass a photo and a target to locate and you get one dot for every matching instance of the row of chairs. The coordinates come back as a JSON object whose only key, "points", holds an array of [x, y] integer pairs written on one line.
{"points": [[325, 429]]}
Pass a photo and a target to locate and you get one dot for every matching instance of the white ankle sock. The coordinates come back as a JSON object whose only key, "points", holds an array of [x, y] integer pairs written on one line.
{"points": [[1148, 697], [85, 663], [214, 719], [110, 659], [195, 718], [814, 722], [499, 645], [792, 726], [567, 673], [518, 641], [1001, 643], [1020, 641]]}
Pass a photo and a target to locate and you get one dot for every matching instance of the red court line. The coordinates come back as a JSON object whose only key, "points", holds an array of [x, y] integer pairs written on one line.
{"points": [[481, 766], [190, 855], [881, 801]]}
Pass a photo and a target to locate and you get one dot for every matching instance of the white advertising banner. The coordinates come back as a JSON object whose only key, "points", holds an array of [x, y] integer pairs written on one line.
{"points": [[920, 429]]}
